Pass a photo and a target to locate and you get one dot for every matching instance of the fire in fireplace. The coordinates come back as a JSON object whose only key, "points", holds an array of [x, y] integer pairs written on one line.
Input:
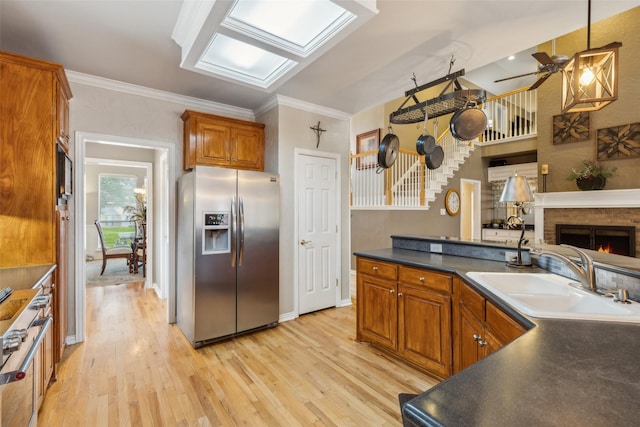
{"points": [[619, 240]]}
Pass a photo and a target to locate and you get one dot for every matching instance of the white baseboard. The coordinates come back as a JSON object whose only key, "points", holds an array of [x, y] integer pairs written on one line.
{"points": [[345, 302], [285, 317]]}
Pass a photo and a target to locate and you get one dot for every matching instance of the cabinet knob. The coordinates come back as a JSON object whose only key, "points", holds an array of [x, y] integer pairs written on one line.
{"points": [[391, 291], [400, 294], [476, 337], [375, 268], [421, 279], [482, 343]]}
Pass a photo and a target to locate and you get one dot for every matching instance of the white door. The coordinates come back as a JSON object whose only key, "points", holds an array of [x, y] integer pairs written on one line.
{"points": [[317, 232]]}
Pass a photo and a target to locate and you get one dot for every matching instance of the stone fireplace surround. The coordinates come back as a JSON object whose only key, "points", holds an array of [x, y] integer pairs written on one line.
{"points": [[602, 207]]}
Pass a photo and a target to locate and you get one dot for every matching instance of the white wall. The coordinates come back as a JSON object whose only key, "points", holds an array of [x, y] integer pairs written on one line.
{"points": [[294, 132], [129, 112]]}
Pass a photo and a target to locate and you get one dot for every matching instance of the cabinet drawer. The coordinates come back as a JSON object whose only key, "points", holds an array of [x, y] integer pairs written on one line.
{"points": [[473, 301], [376, 268], [430, 279], [502, 323]]}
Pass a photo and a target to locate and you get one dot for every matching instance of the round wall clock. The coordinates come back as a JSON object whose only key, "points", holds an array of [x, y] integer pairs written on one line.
{"points": [[452, 202]]}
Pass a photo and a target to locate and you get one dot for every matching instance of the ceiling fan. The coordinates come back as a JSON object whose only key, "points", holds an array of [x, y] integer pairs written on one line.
{"points": [[548, 65]]}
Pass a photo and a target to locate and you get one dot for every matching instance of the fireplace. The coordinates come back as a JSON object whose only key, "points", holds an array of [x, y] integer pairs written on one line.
{"points": [[619, 240]]}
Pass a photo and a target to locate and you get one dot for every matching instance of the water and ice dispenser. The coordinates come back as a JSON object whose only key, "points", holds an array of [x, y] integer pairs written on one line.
{"points": [[216, 236]]}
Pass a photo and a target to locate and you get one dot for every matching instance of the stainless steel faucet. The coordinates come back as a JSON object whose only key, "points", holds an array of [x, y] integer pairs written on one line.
{"points": [[584, 271]]}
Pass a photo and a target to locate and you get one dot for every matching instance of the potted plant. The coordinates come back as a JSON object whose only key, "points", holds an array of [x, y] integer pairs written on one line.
{"points": [[591, 176], [138, 213]]}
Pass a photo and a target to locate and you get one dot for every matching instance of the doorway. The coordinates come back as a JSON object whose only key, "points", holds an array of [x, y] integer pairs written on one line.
{"points": [[317, 202], [160, 211], [117, 191], [470, 209]]}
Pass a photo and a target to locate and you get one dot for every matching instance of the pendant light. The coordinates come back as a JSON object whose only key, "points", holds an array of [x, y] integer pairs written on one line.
{"points": [[590, 78]]}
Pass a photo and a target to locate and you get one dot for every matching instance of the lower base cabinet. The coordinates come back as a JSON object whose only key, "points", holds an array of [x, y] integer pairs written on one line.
{"points": [[481, 327], [408, 311], [428, 318]]}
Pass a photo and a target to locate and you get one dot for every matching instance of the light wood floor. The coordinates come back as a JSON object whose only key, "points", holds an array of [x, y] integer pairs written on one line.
{"points": [[136, 370]]}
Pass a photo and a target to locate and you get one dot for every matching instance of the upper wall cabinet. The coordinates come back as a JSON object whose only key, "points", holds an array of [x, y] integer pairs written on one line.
{"points": [[220, 141], [62, 112]]}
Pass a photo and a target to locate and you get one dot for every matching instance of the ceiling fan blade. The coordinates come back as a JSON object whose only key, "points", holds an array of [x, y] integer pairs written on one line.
{"points": [[542, 58], [539, 81], [515, 77]]}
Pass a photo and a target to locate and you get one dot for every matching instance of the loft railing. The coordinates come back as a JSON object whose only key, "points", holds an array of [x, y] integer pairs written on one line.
{"points": [[410, 184], [511, 116]]}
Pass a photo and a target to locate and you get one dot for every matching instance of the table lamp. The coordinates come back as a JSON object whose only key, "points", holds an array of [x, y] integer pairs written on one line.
{"points": [[517, 191]]}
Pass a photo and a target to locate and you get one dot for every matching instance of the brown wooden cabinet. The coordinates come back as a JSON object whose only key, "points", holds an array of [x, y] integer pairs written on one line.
{"points": [[220, 141], [62, 112], [406, 310], [28, 133], [34, 118], [377, 304], [60, 304], [480, 327]]}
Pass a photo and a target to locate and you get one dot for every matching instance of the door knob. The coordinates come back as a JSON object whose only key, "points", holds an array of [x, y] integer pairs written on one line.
{"points": [[304, 242]]}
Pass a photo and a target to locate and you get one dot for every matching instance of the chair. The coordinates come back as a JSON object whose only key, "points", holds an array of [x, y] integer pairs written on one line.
{"points": [[114, 252], [139, 247]]}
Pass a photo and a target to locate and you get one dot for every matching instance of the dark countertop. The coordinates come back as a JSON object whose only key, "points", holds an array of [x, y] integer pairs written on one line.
{"points": [[24, 277], [559, 373]]}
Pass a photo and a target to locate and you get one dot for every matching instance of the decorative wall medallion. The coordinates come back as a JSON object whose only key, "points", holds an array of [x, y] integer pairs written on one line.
{"points": [[571, 127], [618, 142]]}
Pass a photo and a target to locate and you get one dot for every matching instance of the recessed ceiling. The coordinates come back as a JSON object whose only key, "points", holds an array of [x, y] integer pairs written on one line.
{"points": [[261, 43]]}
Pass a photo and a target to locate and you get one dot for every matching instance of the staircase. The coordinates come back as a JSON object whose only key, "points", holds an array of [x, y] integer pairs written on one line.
{"points": [[419, 186]]}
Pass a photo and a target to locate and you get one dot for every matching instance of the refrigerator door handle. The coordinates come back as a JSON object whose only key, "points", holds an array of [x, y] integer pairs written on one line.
{"points": [[234, 242], [241, 215]]}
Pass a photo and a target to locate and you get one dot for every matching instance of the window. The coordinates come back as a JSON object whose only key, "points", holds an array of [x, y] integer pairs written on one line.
{"points": [[115, 194]]}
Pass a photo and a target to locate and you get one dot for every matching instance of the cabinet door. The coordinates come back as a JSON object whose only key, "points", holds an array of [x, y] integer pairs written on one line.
{"points": [[213, 144], [247, 148], [471, 330], [501, 324], [62, 111], [377, 308], [424, 328], [60, 290], [489, 343]]}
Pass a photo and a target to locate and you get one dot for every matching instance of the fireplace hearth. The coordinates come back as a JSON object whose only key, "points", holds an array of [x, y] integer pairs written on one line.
{"points": [[619, 240]]}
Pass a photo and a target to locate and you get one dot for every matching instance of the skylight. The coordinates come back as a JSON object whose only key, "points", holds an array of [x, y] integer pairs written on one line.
{"points": [[238, 60], [263, 43], [295, 25]]}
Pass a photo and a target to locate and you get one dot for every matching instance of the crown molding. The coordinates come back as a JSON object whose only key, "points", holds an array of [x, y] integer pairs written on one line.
{"points": [[191, 102], [285, 101]]}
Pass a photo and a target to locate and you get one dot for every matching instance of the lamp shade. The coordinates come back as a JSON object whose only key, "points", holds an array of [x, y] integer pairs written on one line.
{"points": [[516, 190]]}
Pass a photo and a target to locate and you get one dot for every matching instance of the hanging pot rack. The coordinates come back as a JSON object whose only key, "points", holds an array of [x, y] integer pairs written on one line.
{"points": [[441, 105]]}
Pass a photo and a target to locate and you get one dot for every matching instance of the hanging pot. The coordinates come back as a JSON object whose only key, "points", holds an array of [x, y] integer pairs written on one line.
{"points": [[388, 150], [468, 123], [435, 158], [425, 143]]}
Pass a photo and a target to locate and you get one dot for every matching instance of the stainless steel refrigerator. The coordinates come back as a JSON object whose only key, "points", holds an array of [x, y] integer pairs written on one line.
{"points": [[227, 253]]}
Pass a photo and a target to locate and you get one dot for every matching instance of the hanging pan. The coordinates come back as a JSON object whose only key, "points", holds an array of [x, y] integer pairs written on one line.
{"points": [[468, 122], [388, 151], [426, 143], [436, 156]]}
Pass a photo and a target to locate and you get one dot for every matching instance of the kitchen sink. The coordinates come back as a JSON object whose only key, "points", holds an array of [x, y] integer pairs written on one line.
{"points": [[553, 296]]}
